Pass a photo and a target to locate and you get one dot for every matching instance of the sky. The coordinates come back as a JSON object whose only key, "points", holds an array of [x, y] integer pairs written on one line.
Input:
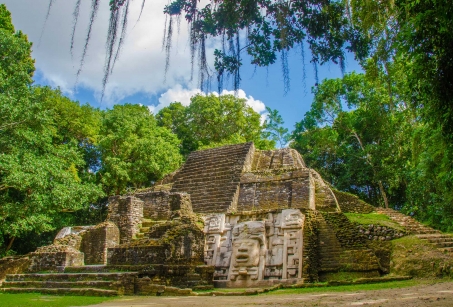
{"points": [[139, 74]]}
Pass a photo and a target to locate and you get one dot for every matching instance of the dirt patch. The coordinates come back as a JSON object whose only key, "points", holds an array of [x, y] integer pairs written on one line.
{"points": [[434, 294]]}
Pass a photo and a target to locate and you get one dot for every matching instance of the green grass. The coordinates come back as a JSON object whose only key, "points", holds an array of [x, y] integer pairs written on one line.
{"points": [[373, 219], [361, 287], [39, 300]]}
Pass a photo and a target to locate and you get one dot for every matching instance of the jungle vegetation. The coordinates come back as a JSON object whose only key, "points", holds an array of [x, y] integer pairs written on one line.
{"points": [[385, 134]]}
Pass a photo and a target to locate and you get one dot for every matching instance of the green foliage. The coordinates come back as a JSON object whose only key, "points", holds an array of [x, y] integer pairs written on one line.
{"points": [[365, 137], [356, 149], [274, 129], [40, 162], [212, 121], [134, 150]]}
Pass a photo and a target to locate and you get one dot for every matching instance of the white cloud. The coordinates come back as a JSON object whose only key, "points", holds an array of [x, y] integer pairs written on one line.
{"points": [[183, 95], [257, 105], [141, 66]]}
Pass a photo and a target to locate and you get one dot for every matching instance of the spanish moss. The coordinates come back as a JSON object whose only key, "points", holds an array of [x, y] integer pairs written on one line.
{"points": [[94, 10], [237, 76], [285, 71], [165, 33], [49, 7], [123, 35], [168, 45], [141, 10], [112, 35], [315, 67], [75, 15], [304, 71], [204, 78], [342, 66]]}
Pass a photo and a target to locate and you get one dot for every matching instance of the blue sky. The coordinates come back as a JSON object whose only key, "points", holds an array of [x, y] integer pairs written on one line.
{"points": [[139, 74]]}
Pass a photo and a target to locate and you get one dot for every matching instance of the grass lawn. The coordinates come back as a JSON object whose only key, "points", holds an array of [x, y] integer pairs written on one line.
{"points": [[39, 300], [373, 219]]}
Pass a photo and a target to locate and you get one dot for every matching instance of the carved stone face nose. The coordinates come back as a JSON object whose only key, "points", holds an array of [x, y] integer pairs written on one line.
{"points": [[243, 249]]}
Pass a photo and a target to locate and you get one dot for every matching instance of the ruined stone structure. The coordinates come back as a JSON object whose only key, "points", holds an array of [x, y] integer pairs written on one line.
{"points": [[232, 216]]}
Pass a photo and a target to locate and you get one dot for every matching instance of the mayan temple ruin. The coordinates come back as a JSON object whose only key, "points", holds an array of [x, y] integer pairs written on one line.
{"points": [[232, 216]]}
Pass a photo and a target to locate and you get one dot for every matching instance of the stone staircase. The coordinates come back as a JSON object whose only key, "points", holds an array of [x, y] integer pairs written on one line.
{"points": [[444, 242], [92, 284], [212, 176], [145, 227], [411, 225]]}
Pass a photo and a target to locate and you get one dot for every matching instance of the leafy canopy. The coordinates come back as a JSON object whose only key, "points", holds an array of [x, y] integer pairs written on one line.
{"points": [[134, 150], [212, 121]]}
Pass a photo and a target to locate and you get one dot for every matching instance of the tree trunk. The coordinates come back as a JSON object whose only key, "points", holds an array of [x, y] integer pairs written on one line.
{"points": [[384, 196], [11, 241]]}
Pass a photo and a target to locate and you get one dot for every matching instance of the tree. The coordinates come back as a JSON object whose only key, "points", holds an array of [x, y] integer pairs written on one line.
{"points": [[362, 150], [135, 151], [365, 136], [212, 121], [273, 128], [39, 175]]}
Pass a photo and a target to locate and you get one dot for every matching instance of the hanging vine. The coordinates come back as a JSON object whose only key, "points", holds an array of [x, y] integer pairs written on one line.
{"points": [[94, 10], [75, 16], [263, 28]]}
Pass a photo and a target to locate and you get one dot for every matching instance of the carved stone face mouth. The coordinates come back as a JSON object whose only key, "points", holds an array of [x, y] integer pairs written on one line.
{"points": [[242, 258]]}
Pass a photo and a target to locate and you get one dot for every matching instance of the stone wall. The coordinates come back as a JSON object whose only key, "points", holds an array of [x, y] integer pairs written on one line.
{"points": [[156, 205], [277, 159], [350, 203], [182, 276], [274, 189], [54, 258], [97, 240], [175, 241], [311, 251], [126, 213], [13, 265], [379, 233], [131, 255]]}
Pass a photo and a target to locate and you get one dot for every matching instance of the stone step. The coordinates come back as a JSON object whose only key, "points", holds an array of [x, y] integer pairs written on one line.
{"points": [[63, 291], [195, 167], [446, 249], [139, 235], [442, 244], [148, 223], [70, 276], [108, 285], [209, 190], [144, 229], [436, 237]]}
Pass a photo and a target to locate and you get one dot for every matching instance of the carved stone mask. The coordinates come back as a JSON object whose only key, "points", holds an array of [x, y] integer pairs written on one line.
{"points": [[246, 253]]}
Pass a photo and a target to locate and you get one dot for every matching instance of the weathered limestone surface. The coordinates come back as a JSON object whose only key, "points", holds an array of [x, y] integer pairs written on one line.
{"points": [[97, 240], [126, 213], [54, 258], [234, 216]]}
